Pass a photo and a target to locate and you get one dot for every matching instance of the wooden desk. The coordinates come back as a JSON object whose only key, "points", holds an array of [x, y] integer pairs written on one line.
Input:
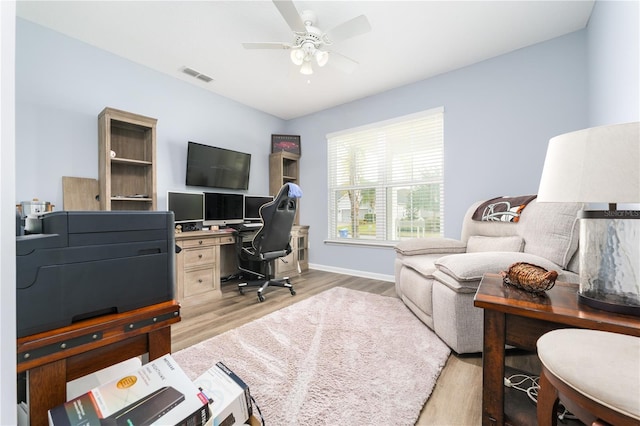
{"points": [[199, 265], [518, 318], [54, 357]]}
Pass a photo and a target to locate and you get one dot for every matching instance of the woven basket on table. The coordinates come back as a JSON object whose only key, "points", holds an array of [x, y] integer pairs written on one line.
{"points": [[530, 277]]}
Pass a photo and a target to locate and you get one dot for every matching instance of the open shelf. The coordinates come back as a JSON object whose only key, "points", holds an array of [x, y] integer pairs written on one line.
{"points": [[127, 152]]}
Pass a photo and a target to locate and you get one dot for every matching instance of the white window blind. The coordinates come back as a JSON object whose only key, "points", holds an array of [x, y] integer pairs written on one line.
{"points": [[386, 179]]}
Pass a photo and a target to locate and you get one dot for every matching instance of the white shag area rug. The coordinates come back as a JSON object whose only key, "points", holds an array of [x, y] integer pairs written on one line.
{"points": [[342, 357]]}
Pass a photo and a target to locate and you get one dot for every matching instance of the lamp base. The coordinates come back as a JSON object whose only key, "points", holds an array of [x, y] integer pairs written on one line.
{"points": [[610, 260], [609, 306]]}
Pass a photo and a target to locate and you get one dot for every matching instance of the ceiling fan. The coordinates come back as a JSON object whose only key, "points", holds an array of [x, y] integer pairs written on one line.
{"points": [[310, 43]]}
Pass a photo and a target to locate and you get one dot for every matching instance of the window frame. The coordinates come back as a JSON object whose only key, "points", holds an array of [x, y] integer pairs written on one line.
{"points": [[389, 233]]}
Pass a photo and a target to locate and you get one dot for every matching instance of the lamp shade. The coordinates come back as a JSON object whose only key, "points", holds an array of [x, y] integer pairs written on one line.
{"points": [[322, 57], [297, 56], [595, 165], [306, 68]]}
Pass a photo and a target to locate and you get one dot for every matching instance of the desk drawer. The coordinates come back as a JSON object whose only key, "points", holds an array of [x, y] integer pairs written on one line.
{"points": [[198, 281], [229, 239], [202, 242], [198, 257]]}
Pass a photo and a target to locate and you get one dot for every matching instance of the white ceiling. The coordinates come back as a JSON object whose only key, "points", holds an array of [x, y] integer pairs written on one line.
{"points": [[409, 41]]}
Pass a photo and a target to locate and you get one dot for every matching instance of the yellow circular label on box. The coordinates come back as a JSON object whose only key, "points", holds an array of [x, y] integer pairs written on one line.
{"points": [[127, 382]]}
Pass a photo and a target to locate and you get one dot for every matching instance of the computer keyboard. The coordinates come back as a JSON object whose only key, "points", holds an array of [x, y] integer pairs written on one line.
{"points": [[247, 226], [251, 225]]}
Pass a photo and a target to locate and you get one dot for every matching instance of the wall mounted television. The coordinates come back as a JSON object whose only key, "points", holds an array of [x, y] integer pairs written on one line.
{"points": [[223, 209], [186, 206], [215, 167], [252, 204]]}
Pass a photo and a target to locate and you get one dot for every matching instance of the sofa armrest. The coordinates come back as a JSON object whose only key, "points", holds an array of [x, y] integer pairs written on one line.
{"points": [[417, 246]]}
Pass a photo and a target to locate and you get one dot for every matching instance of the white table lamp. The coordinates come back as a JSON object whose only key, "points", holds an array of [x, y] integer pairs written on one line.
{"points": [[601, 165]]}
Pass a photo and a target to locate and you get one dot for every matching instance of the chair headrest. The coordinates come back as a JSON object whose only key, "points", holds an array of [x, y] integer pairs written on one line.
{"points": [[294, 190]]}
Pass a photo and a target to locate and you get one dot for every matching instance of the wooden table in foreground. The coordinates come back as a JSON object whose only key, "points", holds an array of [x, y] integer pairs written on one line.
{"points": [[54, 357], [518, 318]]}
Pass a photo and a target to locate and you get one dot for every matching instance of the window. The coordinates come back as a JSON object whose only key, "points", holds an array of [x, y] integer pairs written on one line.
{"points": [[386, 179]]}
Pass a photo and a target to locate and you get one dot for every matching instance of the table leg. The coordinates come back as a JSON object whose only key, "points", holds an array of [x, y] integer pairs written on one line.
{"points": [[159, 342], [47, 388], [493, 368]]}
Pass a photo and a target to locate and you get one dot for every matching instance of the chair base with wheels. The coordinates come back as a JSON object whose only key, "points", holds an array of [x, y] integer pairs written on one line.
{"points": [[265, 281], [596, 374]]}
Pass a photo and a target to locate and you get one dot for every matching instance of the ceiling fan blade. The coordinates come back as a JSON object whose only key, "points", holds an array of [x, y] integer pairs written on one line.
{"points": [[267, 45], [341, 62], [351, 28], [291, 15]]}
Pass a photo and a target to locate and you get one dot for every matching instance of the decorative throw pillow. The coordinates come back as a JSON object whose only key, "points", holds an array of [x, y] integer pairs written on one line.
{"points": [[478, 243]]}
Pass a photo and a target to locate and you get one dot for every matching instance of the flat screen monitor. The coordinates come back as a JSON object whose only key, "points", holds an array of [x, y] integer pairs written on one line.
{"points": [[215, 167], [223, 209], [186, 206], [252, 204]]}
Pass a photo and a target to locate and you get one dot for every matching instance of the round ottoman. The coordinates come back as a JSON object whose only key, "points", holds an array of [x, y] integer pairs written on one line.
{"points": [[596, 373]]}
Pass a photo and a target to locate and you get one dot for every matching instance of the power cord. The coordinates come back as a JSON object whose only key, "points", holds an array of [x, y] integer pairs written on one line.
{"points": [[524, 383], [258, 408], [530, 386]]}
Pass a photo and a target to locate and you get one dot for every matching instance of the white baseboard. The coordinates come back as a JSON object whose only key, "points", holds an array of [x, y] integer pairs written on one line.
{"points": [[353, 272]]}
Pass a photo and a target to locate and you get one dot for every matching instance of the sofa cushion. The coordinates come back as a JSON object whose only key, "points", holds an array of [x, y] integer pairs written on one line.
{"points": [[471, 266], [416, 246], [550, 230], [423, 264], [479, 243], [458, 286]]}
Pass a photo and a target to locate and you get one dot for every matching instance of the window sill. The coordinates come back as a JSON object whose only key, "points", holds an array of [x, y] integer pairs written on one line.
{"points": [[360, 243]]}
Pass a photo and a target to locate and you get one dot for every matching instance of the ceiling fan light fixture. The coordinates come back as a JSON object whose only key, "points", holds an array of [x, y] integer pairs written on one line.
{"points": [[297, 56], [322, 58], [306, 68]]}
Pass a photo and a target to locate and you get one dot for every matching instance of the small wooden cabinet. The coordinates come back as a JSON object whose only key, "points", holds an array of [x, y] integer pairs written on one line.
{"points": [[298, 260], [198, 266], [300, 238], [126, 160]]}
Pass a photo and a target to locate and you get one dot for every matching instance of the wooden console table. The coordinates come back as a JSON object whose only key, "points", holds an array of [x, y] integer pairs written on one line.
{"points": [[54, 357], [518, 318]]}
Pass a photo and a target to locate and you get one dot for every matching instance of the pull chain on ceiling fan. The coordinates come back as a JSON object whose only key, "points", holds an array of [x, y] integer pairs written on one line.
{"points": [[310, 42]]}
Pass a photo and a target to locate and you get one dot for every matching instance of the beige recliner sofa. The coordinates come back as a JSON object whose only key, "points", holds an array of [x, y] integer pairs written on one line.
{"points": [[437, 277]]}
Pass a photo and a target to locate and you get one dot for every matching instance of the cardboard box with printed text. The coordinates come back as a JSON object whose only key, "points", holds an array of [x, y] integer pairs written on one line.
{"points": [[158, 393]]}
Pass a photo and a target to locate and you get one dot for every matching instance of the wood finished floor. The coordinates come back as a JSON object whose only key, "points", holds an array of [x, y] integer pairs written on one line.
{"points": [[457, 396]]}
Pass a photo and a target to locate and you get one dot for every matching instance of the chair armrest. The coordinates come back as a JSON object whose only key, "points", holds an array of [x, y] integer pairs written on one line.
{"points": [[417, 246]]}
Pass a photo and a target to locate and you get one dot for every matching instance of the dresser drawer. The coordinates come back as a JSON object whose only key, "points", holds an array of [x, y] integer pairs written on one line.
{"points": [[198, 257], [198, 281]]}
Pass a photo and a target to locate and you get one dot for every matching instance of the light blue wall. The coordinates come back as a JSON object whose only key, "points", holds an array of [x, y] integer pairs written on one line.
{"points": [[63, 84], [499, 117], [614, 62]]}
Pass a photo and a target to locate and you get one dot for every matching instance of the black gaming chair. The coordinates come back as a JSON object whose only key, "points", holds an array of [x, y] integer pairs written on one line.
{"points": [[272, 241]]}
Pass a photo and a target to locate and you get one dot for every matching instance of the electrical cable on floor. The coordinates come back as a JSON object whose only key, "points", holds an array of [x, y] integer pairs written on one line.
{"points": [[530, 386], [258, 408], [524, 383]]}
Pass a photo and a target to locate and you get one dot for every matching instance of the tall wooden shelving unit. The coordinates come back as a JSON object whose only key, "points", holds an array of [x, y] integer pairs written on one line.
{"points": [[128, 177], [284, 168]]}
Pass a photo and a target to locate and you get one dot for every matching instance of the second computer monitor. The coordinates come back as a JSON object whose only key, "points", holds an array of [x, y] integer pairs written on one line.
{"points": [[252, 204], [223, 209]]}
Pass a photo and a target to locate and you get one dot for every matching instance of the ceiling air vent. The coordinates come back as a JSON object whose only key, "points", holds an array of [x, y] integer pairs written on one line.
{"points": [[196, 74]]}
